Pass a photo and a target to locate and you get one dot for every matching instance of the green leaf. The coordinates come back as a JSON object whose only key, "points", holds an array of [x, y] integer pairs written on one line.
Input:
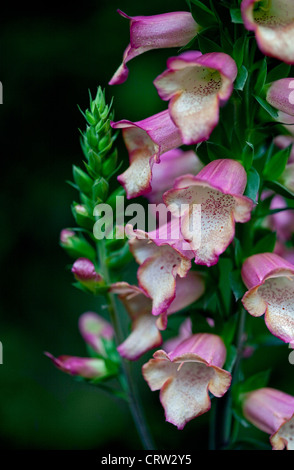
{"points": [[280, 189], [253, 183], [254, 382], [201, 13], [241, 78], [238, 51], [261, 79], [206, 45], [248, 155], [276, 165], [236, 16], [266, 244], [231, 358], [237, 285], [238, 252], [281, 71], [267, 107]]}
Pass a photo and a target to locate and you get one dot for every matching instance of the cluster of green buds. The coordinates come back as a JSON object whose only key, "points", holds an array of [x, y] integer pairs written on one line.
{"points": [[93, 184]]}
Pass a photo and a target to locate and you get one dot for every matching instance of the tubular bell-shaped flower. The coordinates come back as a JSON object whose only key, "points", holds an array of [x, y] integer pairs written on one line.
{"points": [[279, 95], [273, 24], [272, 411], [161, 261], [282, 222], [173, 29], [146, 140], [196, 85], [219, 188], [186, 375], [96, 332], [173, 164], [270, 280], [88, 368], [145, 333]]}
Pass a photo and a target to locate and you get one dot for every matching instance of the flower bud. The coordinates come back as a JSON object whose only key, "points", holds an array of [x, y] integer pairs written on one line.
{"points": [[85, 367], [75, 245], [96, 332], [84, 272], [100, 189], [82, 216], [82, 180]]}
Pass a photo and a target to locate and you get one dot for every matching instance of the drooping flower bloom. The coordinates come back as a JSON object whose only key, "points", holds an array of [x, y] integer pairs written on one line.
{"points": [[84, 271], [272, 411], [186, 375], [88, 368], [196, 85], [173, 29], [282, 222], [270, 280], [146, 327], [280, 92], [161, 261], [173, 164], [219, 188], [273, 24], [146, 140], [95, 331]]}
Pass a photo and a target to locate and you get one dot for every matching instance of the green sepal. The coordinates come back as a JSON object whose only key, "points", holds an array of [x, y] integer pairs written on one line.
{"points": [[100, 189]]}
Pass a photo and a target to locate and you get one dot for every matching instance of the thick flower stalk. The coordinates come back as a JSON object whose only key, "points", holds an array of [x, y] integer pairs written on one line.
{"points": [[219, 188], [196, 86], [273, 24], [186, 375], [272, 411], [146, 327], [145, 141], [173, 29], [270, 282]]}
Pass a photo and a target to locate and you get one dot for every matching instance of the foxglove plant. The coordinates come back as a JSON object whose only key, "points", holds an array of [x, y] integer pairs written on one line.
{"points": [[218, 162]]}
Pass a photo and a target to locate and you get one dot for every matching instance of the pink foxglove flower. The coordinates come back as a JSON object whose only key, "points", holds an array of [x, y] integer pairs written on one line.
{"points": [[219, 188], [284, 252], [161, 261], [197, 85], [270, 280], [95, 330], [84, 271], [146, 140], [88, 368], [282, 222], [173, 29], [280, 93], [272, 411], [173, 164], [146, 327], [273, 24], [186, 375]]}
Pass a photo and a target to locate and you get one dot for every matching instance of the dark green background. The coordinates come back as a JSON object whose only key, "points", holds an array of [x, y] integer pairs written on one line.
{"points": [[49, 60]]}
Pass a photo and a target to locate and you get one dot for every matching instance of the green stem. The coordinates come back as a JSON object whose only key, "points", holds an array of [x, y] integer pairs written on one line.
{"points": [[129, 385]]}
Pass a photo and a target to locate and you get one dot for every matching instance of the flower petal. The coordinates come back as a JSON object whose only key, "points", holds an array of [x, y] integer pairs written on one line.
{"points": [[273, 26], [173, 29], [93, 327], [196, 84], [146, 140]]}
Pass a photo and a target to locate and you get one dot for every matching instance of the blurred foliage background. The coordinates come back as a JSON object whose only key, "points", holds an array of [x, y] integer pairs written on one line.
{"points": [[50, 58]]}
